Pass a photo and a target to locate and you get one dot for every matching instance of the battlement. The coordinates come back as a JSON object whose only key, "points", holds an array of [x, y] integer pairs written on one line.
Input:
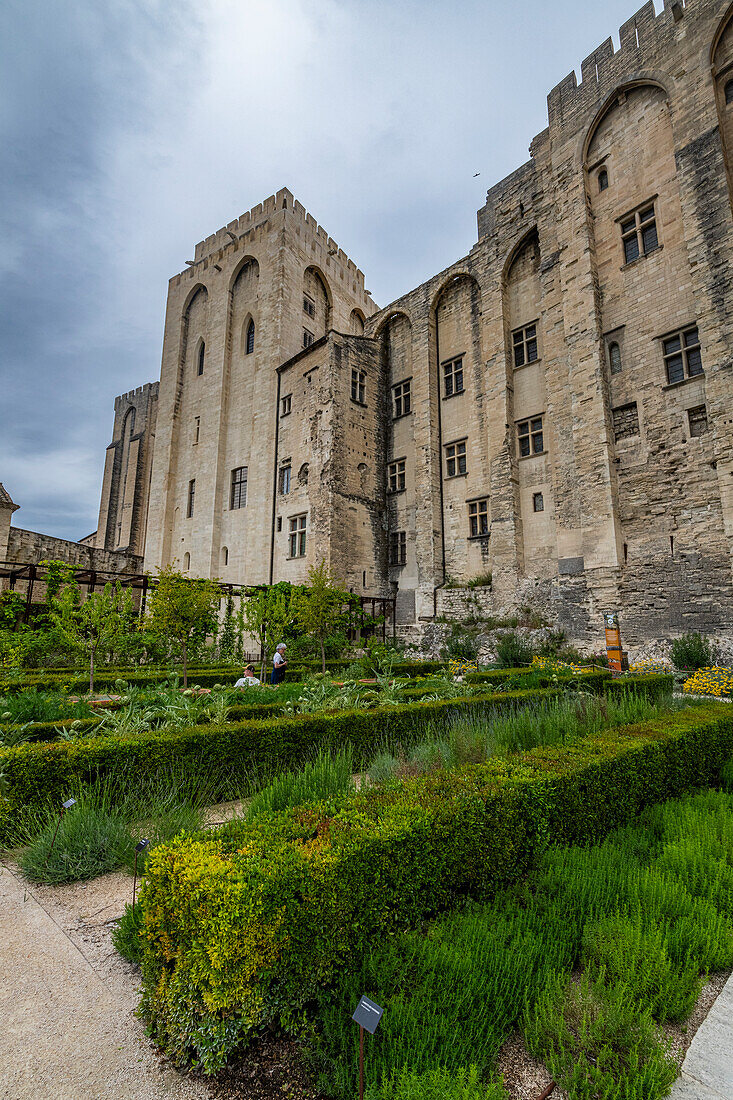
{"points": [[641, 38], [149, 388], [251, 224]]}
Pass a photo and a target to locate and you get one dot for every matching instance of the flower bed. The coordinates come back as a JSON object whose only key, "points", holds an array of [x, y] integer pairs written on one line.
{"points": [[710, 681], [242, 929]]}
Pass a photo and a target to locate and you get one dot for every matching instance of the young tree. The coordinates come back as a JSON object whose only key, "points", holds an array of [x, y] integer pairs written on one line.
{"points": [[322, 606], [267, 614], [94, 624], [183, 608]]}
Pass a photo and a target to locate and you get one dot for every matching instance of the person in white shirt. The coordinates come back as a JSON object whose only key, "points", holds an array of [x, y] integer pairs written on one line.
{"points": [[249, 679], [278, 665]]}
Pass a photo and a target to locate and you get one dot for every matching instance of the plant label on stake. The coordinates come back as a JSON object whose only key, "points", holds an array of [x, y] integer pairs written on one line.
{"points": [[367, 1015]]}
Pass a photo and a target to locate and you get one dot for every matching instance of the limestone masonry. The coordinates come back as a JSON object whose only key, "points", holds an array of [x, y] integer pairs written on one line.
{"points": [[553, 409]]}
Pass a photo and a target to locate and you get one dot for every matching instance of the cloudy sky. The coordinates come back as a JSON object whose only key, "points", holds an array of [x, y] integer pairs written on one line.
{"points": [[131, 129]]}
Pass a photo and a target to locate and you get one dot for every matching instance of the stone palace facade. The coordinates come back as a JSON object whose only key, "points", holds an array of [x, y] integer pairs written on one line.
{"points": [[555, 408]]}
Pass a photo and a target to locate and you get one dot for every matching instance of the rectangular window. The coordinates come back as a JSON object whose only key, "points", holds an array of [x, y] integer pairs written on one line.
{"points": [[238, 493], [698, 420], [309, 306], [453, 376], [308, 338], [530, 437], [455, 459], [524, 341], [286, 404], [191, 495], [639, 233], [398, 548], [401, 398], [196, 428], [296, 536], [625, 420], [538, 502], [478, 518], [396, 476], [358, 386], [682, 357], [285, 479]]}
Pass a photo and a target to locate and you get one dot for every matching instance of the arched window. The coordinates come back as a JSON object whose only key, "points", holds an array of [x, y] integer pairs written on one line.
{"points": [[186, 562], [250, 345], [729, 92], [224, 555], [602, 179], [202, 353], [303, 474], [614, 356]]}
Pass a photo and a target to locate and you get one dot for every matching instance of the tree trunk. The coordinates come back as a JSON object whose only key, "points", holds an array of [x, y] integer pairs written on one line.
{"points": [[323, 656], [185, 667]]}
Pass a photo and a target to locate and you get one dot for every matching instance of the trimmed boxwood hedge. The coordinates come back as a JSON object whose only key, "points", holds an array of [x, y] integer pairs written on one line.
{"points": [[105, 680], [39, 772], [242, 928]]}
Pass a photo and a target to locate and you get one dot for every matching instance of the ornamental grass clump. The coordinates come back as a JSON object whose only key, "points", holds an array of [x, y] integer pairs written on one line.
{"points": [[324, 780]]}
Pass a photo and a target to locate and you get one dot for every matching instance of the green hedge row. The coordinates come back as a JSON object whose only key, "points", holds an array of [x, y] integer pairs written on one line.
{"points": [[106, 681], [591, 680], [242, 928], [38, 772]]}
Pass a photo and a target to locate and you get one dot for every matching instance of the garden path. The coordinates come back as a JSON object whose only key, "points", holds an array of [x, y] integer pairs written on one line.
{"points": [[67, 999], [707, 1071]]}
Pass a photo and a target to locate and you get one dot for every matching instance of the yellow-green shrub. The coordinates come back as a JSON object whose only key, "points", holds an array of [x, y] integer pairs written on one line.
{"points": [[241, 929]]}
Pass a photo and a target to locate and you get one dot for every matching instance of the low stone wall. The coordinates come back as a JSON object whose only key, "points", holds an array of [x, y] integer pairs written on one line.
{"points": [[464, 603]]}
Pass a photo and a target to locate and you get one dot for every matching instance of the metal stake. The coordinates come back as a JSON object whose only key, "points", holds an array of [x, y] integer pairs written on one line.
{"points": [[361, 1062], [64, 806], [138, 848]]}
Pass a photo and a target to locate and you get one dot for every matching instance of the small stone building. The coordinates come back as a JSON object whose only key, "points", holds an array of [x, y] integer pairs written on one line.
{"points": [[553, 409]]}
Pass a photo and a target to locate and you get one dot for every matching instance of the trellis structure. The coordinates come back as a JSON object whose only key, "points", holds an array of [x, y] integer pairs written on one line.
{"points": [[32, 575]]}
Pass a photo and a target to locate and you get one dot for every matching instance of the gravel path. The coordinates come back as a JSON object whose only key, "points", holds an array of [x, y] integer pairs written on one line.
{"points": [[67, 999]]}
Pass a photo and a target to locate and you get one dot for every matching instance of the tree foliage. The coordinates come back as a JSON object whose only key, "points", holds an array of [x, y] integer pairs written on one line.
{"points": [[184, 609], [91, 625], [323, 606]]}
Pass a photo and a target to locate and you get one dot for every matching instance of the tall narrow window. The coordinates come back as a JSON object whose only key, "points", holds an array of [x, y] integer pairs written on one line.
{"points": [[250, 344], [238, 492], [285, 479], [639, 233], [453, 376], [455, 459], [358, 386], [524, 341], [401, 398], [538, 502], [682, 357], [186, 562], [614, 358], [396, 476], [224, 555], [201, 356], [478, 518], [602, 179], [196, 428], [191, 496], [308, 338], [729, 92], [286, 404], [309, 306], [297, 536], [398, 548], [530, 437]]}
